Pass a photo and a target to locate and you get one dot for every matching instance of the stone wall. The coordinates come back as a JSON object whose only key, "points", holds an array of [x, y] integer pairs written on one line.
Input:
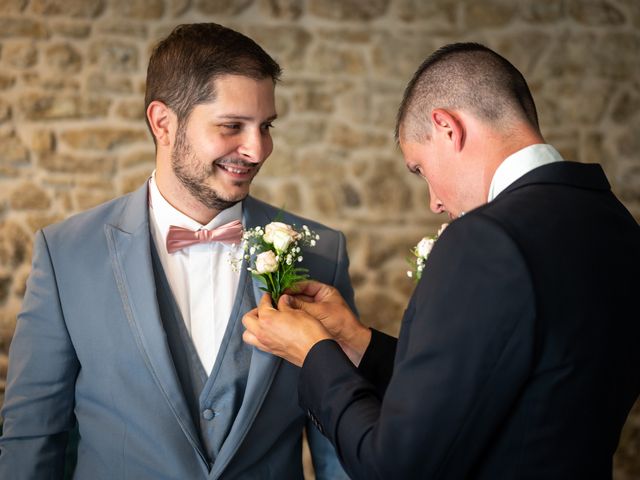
{"points": [[72, 132]]}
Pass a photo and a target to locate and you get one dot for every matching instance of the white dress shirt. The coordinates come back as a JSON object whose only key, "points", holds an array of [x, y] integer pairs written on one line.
{"points": [[523, 161], [202, 279]]}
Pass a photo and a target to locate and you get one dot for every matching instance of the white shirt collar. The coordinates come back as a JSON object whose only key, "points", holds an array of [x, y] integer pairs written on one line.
{"points": [[523, 161], [166, 214]]}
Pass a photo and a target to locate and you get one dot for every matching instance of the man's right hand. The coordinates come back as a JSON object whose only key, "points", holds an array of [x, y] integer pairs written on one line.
{"points": [[325, 303]]}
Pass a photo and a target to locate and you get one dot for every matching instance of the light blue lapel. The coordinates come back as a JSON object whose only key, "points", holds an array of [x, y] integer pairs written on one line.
{"points": [[263, 365], [129, 247]]}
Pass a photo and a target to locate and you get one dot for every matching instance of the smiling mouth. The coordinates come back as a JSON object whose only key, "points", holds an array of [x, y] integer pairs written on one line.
{"points": [[237, 170]]}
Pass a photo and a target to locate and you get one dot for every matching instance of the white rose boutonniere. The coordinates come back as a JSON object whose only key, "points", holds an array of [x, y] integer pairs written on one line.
{"points": [[420, 253], [273, 252]]}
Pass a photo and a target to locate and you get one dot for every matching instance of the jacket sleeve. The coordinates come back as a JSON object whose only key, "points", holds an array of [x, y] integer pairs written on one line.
{"points": [[325, 461], [39, 398], [463, 355]]}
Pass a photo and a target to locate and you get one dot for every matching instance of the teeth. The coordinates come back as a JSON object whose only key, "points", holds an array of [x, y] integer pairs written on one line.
{"points": [[234, 170]]}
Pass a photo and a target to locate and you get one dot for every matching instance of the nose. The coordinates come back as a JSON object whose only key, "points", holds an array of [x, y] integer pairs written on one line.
{"points": [[255, 146], [435, 204]]}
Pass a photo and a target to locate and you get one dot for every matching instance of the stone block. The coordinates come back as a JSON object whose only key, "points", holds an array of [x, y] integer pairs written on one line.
{"points": [[222, 7], [345, 136], [626, 107], [338, 60], [595, 12], [345, 36], [13, 150], [73, 164], [37, 106], [132, 181], [15, 244], [138, 9], [63, 58], [386, 191], [543, 11], [300, 132], [124, 29], [54, 83], [20, 54], [38, 220], [102, 138], [99, 82], [12, 6], [69, 8], [5, 111], [7, 81], [287, 44], [415, 47], [42, 141], [75, 30], [436, 15], [488, 14], [137, 159], [29, 196], [85, 199], [114, 56], [178, 7], [282, 9], [348, 10], [5, 289], [131, 110], [380, 310], [20, 27]]}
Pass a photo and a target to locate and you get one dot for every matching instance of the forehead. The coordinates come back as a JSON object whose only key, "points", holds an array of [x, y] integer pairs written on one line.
{"points": [[241, 89]]}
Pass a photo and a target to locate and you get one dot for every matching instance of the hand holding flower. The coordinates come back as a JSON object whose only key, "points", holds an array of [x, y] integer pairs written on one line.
{"points": [[325, 304], [285, 332]]}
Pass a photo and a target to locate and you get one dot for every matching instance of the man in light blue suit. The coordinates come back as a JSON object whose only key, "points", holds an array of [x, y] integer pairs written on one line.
{"points": [[138, 346]]}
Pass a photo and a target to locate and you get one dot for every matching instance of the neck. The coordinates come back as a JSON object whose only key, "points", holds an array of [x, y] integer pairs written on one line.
{"points": [[503, 146]]}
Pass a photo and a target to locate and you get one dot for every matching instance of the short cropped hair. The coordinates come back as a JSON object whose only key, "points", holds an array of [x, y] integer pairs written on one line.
{"points": [[464, 76], [184, 65]]}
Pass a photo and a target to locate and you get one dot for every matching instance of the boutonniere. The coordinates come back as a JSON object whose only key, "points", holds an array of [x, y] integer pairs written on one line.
{"points": [[420, 253], [274, 252]]}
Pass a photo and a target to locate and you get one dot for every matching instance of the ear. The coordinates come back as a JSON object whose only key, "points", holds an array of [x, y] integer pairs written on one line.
{"points": [[161, 119], [450, 125]]}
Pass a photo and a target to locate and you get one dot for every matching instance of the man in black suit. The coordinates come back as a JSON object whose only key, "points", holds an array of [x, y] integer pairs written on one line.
{"points": [[519, 350]]}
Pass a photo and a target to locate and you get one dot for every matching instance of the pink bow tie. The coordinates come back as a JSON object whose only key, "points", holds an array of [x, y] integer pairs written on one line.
{"points": [[179, 237]]}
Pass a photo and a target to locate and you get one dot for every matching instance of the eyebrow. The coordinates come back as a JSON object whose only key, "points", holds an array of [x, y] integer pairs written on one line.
{"points": [[245, 118]]}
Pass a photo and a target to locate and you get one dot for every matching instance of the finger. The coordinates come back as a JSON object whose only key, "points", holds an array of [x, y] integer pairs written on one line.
{"points": [[265, 303], [250, 319], [250, 339], [309, 288]]}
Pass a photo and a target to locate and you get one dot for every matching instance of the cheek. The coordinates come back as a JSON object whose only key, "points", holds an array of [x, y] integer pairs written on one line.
{"points": [[268, 146]]}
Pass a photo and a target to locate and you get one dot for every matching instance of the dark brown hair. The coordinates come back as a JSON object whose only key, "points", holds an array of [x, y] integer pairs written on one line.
{"points": [[183, 66], [466, 76]]}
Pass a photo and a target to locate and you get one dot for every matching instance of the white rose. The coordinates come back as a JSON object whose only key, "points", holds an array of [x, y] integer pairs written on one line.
{"points": [[266, 262], [424, 247], [280, 235]]}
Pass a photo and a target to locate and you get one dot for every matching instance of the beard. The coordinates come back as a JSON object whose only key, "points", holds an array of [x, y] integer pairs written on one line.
{"points": [[194, 175]]}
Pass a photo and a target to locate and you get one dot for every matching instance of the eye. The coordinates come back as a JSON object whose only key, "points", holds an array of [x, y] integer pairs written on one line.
{"points": [[416, 170], [232, 127], [266, 126]]}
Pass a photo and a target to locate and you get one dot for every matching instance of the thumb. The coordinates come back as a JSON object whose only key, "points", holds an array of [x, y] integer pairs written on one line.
{"points": [[265, 302], [290, 302]]}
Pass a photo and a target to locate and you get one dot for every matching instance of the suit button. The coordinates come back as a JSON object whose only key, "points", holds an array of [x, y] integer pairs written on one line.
{"points": [[208, 414]]}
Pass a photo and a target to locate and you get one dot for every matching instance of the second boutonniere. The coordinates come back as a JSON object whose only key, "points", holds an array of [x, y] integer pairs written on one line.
{"points": [[420, 253], [274, 252]]}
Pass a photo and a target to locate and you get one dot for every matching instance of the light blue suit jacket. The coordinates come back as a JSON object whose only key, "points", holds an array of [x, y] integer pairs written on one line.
{"points": [[89, 345]]}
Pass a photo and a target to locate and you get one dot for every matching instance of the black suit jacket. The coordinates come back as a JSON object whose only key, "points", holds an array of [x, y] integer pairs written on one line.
{"points": [[518, 353]]}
